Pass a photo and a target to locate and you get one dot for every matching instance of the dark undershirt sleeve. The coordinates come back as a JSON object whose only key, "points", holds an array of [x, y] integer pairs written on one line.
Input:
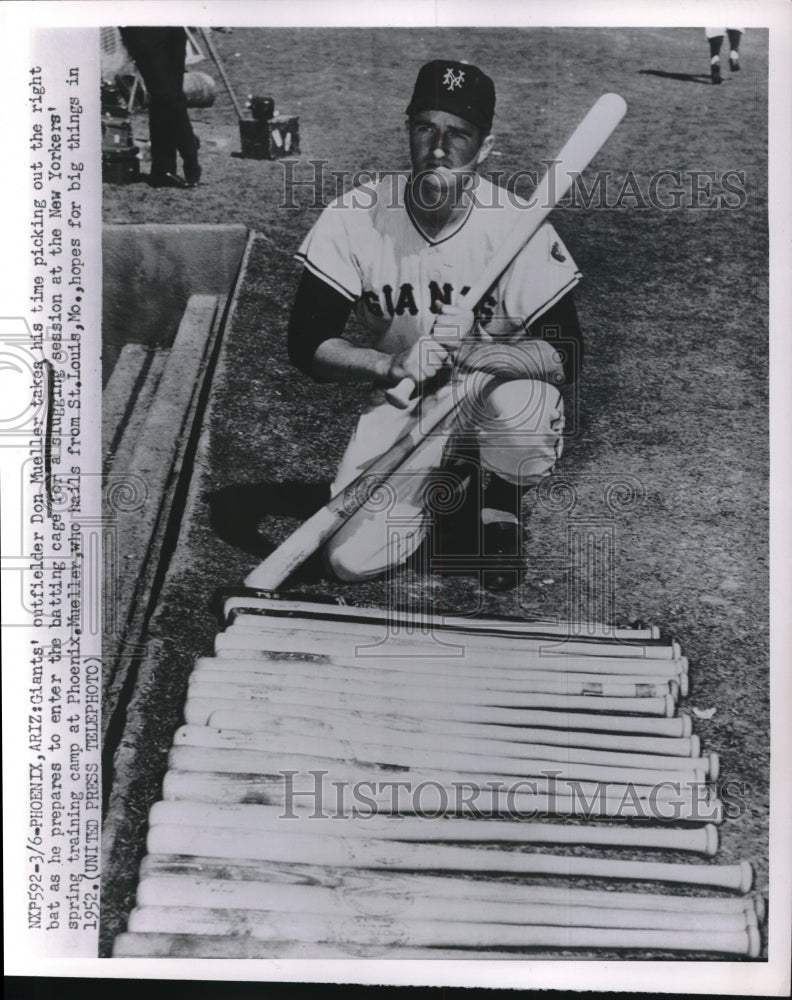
{"points": [[319, 313], [559, 325]]}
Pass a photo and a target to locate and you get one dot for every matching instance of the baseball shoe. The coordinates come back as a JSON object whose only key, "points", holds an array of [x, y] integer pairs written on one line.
{"points": [[734, 61], [192, 168], [715, 71], [502, 538], [456, 532], [167, 180], [192, 173]]}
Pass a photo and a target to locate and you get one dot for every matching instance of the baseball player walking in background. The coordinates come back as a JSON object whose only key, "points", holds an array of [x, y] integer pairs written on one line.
{"points": [[715, 41], [400, 252]]}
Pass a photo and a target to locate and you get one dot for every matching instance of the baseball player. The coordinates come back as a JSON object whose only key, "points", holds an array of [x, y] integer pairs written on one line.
{"points": [[400, 252], [715, 41]]}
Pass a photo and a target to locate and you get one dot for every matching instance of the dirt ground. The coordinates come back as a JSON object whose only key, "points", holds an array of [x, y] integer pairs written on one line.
{"points": [[667, 449]]}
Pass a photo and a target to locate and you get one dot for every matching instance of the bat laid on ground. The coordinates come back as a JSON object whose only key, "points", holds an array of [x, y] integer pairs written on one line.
{"points": [[608, 801], [367, 888], [270, 819], [582, 146], [270, 605], [439, 718], [383, 631], [450, 766], [438, 414], [420, 733], [149, 944], [297, 848], [562, 909], [358, 641], [347, 929], [372, 745], [269, 692], [251, 672]]}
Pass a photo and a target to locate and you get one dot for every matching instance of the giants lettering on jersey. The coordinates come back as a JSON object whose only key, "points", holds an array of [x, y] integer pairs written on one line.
{"points": [[389, 303]]}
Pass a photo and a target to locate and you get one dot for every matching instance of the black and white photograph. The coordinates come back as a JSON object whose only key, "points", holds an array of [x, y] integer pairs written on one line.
{"points": [[401, 417]]}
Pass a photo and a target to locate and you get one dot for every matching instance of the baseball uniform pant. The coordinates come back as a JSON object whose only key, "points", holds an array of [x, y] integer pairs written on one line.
{"points": [[517, 428], [718, 32], [159, 54]]}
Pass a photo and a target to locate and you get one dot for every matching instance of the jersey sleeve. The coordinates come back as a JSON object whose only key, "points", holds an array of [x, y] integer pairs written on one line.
{"points": [[541, 275], [328, 252], [319, 313]]}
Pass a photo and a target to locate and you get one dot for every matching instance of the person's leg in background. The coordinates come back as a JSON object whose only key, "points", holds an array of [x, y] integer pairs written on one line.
{"points": [[735, 34], [159, 54], [715, 40]]}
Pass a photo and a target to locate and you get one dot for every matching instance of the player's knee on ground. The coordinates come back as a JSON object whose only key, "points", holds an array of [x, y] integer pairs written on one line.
{"points": [[520, 429], [365, 551]]}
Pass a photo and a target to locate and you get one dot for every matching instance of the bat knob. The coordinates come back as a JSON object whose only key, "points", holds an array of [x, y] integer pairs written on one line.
{"points": [[711, 846], [746, 876], [399, 395], [754, 942]]}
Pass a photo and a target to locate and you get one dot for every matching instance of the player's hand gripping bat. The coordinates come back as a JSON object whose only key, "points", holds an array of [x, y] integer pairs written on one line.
{"points": [[438, 413], [578, 152]]}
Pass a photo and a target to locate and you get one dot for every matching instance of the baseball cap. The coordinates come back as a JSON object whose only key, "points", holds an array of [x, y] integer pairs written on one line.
{"points": [[457, 87]]}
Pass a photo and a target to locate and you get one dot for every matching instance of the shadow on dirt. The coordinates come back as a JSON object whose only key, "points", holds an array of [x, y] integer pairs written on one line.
{"points": [[685, 77], [236, 512]]}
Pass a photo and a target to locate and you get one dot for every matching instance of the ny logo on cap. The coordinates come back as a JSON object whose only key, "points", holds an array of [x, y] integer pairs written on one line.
{"points": [[452, 79]]}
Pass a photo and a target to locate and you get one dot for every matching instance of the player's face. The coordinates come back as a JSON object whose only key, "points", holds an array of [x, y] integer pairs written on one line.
{"points": [[445, 150], [440, 140]]}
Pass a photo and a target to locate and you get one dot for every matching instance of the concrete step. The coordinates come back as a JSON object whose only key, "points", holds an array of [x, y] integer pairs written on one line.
{"points": [[144, 474], [126, 401]]}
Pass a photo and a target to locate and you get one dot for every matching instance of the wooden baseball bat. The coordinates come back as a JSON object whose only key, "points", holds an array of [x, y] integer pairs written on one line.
{"points": [[364, 853], [579, 150], [613, 802], [249, 630], [452, 766], [198, 711], [413, 732], [367, 887], [545, 777], [226, 894], [439, 687], [272, 604], [464, 689], [272, 819], [224, 946], [573, 682], [323, 694], [376, 745], [342, 929], [611, 685], [464, 661]]}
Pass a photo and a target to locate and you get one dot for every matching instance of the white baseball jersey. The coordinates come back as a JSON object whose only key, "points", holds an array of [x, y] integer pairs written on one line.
{"points": [[368, 247]]}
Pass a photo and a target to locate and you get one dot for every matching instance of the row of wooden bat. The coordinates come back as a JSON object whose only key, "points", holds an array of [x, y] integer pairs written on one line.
{"points": [[281, 833]]}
